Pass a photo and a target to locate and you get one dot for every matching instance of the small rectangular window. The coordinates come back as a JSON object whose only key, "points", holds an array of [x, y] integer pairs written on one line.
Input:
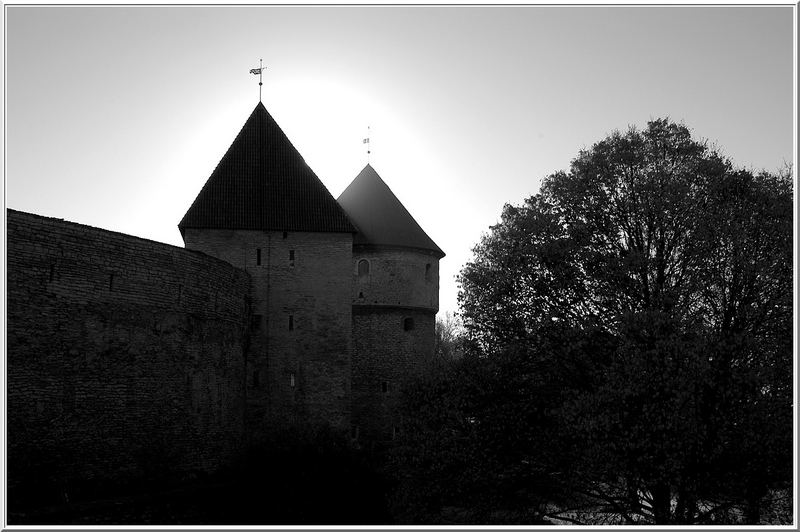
{"points": [[291, 258], [291, 322], [256, 379], [111, 282], [258, 256], [255, 322], [384, 387], [292, 381]]}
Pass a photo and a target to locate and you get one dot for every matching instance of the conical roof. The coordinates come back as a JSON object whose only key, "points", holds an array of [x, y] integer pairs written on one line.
{"points": [[263, 183], [379, 216]]}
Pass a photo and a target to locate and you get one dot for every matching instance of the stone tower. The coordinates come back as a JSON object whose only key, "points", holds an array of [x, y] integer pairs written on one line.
{"points": [[265, 211], [395, 297]]}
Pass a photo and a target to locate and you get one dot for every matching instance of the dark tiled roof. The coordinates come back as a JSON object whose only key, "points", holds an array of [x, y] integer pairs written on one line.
{"points": [[263, 183], [380, 217]]}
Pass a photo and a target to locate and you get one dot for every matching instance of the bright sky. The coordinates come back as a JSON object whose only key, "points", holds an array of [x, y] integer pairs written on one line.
{"points": [[116, 116]]}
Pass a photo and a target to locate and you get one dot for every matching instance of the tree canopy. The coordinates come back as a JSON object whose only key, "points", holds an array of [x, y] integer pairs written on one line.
{"points": [[629, 338]]}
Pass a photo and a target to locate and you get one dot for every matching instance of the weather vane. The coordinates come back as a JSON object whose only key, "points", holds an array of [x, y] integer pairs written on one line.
{"points": [[366, 141], [258, 71]]}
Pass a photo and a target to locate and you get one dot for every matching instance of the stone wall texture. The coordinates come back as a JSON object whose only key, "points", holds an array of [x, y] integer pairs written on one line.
{"points": [[397, 277], [125, 357], [300, 355], [394, 309], [385, 356]]}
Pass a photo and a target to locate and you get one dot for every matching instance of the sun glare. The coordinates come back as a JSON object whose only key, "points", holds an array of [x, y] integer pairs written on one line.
{"points": [[327, 120]]}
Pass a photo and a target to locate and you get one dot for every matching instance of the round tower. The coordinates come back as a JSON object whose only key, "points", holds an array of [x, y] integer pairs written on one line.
{"points": [[395, 298]]}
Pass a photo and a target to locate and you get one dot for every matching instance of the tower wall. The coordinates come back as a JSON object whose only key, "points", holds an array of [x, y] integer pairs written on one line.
{"points": [[298, 363], [396, 277], [394, 309], [385, 357]]}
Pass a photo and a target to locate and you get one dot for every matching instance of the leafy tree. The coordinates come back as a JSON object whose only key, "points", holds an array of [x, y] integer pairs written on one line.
{"points": [[449, 337], [458, 460], [653, 280]]}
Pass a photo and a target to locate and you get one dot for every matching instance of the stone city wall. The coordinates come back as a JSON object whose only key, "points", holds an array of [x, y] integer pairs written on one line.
{"points": [[125, 357]]}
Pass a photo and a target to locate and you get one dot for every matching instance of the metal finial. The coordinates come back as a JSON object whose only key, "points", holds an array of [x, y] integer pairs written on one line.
{"points": [[366, 141], [258, 71]]}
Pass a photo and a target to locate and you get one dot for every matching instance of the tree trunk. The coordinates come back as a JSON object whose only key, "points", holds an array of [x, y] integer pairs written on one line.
{"points": [[752, 511], [661, 504], [686, 508]]}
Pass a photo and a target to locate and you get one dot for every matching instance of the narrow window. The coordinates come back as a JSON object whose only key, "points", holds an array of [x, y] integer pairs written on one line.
{"points": [[363, 267], [428, 272], [408, 324], [111, 282], [258, 256], [292, 381], [255, 323], [285, 234], [180, 292], [384, 387], [52, 272], [291, 258], [256, 379], [291, 322], [361, 295], [354, 432], [68, 397]]}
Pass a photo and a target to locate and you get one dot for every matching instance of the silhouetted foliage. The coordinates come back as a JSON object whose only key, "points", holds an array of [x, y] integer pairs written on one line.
{"points": [[467, 452], [642, 303], [449, 342]]}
